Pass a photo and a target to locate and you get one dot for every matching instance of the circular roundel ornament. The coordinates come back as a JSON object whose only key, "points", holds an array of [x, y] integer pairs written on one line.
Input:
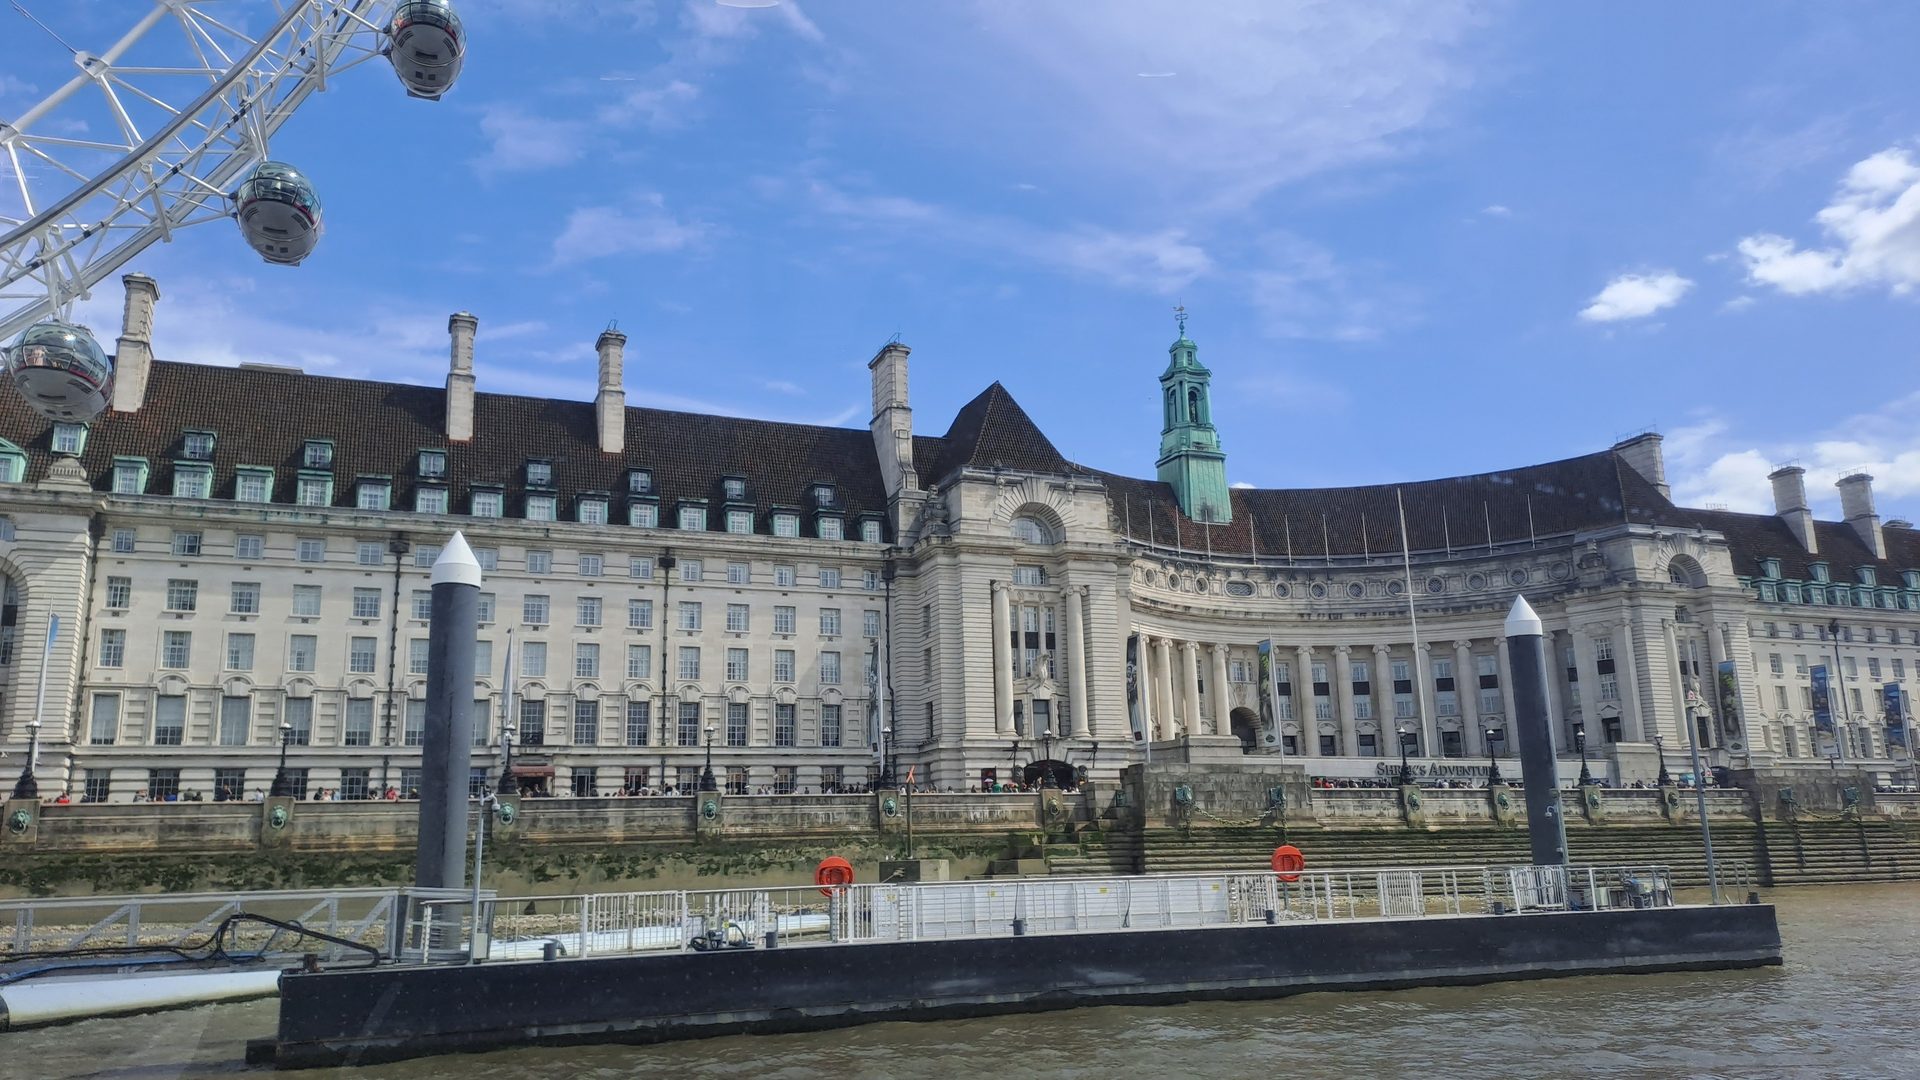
{"points": [[1288, 862], [508, 813], [833, 873]]}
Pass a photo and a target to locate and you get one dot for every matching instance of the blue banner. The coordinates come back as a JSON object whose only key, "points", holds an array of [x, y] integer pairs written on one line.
{"points": [[1134, 717], [1728, 701], [1822, 706], [1896, 708]]}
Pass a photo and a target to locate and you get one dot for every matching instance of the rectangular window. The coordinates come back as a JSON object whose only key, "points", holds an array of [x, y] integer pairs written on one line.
{"points": [[639, 614], [432, 463], [592, 565], [539, 562], [736, 723], [420, 605], [369, 553], [192, 481], [829, 622], [169, 719], [783, 576], [829, 725], [533, 660], [689, 615], [586, 611], [366, 603], [870, 580], [163, 784], [113, 648], [123, 541], [785, 619], [639, 661], [740, 521], [831, 528], [97, 785], [186, 545], [829, 577], [176, 648], [539, 474], [590, 511], [413, 730], [302, 650], [311, 550], [829, 668], [130, 476], [643, 515], [786, 525], [1799, 664], [639, 482], [488, 504], [737, 618], [1363, 708], [870, 532], [373, 495], [1029, 575], [534, 608], [299, 713], [533, 723], [586, 723], [870, 624], [1774, 663], [119, 593], [183, 594], [738, 573], [1445, 703], [783, 665], [736, 665], [640, 567], [361, 652], [693, 518], [639, 722], [689, 661], [314, 491], [1490, 702], [104, 728], [691, 571], [542, 508], [689, 725], [430, 500], [425, 555], [306, 601], [416, 656], [240, 652], [586, 660], [252, 486], [1873, 667], [236, 716], [784, 725]]}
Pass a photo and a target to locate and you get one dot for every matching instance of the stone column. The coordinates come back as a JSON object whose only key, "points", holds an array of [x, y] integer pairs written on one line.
{"points": [[1466, 694], [1676, 682], [1303, 701], [1710, 678], [1190, 672], [1077, 660], [1222, 697], [1589, 682], [1149, 704], [1343, 697], [1002, 660], [1505, 668], [1165, 682], [1634, 724], [1423, 689], [1383, 701]]}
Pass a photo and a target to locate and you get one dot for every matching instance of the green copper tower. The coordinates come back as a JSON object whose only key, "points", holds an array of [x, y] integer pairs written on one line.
{"points": [[1190, 456]]}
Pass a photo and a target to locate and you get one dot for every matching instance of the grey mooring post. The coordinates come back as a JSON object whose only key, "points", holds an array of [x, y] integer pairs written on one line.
{"points": [[454, 627], [1533, 724]]}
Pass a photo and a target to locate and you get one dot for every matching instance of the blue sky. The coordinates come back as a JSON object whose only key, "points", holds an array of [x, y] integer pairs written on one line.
{"points": [[1416, 239]]}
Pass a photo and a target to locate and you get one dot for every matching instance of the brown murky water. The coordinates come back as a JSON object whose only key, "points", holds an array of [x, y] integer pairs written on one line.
{"points": [[1847, 1004]]}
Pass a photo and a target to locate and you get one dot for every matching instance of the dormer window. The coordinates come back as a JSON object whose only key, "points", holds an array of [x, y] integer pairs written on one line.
{"points": [[740, 521], [192, 481], [693, 518], [252, 484], [374, 493], [13, 463], [870, 531], [639, 482], [643, 515], [69, 439], [487, 502], [130, 476], [433, 464], [823, 494], [318, 454], [542, 507], [590, 509], [540, 474], [1770, 568], [429, 499], [786, 524], [314, 489], [1819, 570], [197, 446], [830, 527], [1866, 575], [735, 488], [1911, 578]]}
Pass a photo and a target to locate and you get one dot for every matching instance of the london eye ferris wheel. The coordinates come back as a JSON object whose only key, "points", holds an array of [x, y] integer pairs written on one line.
{"points": [[170, 127]]}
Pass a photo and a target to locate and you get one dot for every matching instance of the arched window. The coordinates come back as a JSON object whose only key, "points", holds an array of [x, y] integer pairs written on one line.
{"points": [[1029, 530], [1173, 407]]}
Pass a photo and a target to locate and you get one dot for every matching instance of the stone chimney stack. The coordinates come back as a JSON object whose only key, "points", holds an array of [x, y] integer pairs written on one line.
{"points": [[1643, 453], [461, 326], [1856, 508], [1790, 504], [892, 423], [133, 356], [610, 404]]}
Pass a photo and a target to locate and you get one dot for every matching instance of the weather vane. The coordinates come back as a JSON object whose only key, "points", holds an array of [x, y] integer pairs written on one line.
{"points": [[1180, 318]]}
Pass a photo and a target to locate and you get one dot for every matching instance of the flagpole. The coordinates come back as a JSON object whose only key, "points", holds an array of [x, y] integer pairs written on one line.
{"points": [[1413, 620]]}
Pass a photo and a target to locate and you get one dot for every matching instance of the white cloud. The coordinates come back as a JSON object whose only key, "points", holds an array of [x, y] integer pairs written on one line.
{"points": [[1241, 485], [1872, 228], [1635, 296], [596, 232], [1303, 291], [1708, 463], [519, 141], [783, 386], [1738, 303], [1496, 210]]}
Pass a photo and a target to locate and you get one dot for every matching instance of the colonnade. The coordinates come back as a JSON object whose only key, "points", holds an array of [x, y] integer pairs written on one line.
{"points": [[1070, 664]]}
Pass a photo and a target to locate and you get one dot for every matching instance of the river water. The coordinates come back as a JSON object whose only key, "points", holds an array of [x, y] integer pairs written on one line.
{"points": [[1844, 1005]]}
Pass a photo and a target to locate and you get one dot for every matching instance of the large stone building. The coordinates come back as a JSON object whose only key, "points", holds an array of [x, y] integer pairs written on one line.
{"points": [[238, 556]]}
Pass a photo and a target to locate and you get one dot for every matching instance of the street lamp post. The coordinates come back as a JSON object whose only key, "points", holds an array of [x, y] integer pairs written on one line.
{"points": [[1660, 748], [1493, 762], [706, 774], [1046, 758], [1580, 744], [1013, 760], [507, 732], [28, 787], [282, 784], [1406, 770], [886, 756], [1838, 691]]}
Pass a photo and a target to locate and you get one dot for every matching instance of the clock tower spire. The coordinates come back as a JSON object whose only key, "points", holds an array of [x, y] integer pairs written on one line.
{"points": [[1190, 456]]}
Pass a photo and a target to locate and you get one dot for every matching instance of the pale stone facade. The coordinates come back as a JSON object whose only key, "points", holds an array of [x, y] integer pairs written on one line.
{"points": [[996, 586]]}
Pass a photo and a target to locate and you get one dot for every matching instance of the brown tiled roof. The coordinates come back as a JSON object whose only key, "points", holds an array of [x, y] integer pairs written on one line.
{"points": [[1753, 537], [264, 417], [991, 431]]}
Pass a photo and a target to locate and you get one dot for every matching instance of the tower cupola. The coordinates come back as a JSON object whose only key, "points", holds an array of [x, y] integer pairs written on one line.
{"points": [[1191, 460]]}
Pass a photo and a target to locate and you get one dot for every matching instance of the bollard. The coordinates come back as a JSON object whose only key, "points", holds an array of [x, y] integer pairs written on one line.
{"points": [[1019, 927], [550, 950], [773, 939], [1272, 918]]}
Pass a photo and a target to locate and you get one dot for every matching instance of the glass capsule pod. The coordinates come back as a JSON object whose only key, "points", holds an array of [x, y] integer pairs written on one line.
{"points": [[61, 371], [278, 212], [425, 45]]}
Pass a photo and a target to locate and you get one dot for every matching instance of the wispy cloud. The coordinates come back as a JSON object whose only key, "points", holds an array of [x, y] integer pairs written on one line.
{"points": [[1636, 296], [1301, 290], [1872, 227], [1709, 462], [639, 228]]}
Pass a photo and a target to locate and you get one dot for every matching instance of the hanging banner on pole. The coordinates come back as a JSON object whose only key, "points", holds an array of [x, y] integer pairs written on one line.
{"points": [[1134, 719], [1269, 701], [1822, 701], [1896, 709], [1727, 704]]}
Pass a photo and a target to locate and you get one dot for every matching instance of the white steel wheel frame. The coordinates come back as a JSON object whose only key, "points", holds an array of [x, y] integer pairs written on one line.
{"points": [[184, 132]]}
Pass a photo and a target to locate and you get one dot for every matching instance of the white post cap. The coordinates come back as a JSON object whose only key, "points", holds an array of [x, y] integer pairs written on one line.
{"points": [[456, 564], [1521, 621]]}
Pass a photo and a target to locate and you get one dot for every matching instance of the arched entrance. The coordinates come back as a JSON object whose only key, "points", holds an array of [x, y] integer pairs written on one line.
{"points": [[1246, 728], [1059, 773]]}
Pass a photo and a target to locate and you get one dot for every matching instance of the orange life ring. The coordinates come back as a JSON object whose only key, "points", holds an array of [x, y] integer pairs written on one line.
{"points": [[1288, 862], [833, 873]]}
